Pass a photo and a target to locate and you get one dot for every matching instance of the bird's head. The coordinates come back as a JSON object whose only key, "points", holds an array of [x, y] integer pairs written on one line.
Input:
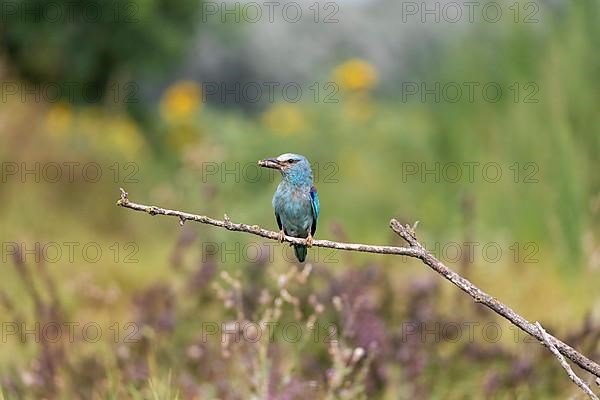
{"points": [[293, 167]]}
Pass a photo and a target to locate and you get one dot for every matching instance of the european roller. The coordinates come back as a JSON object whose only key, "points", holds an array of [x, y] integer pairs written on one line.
{"points": [[295, 201]]}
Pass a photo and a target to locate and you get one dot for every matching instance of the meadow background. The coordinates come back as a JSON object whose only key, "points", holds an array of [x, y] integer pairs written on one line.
{"points": [[142, 95]]}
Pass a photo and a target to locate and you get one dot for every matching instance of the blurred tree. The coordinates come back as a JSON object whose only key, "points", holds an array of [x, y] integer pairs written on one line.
{"points": [[89, 43]]}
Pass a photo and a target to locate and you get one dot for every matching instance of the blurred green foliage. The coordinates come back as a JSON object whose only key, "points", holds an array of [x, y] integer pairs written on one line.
{"points": [[92, 42]]}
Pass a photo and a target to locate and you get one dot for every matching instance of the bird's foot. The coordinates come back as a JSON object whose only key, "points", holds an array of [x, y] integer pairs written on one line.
{"points": [[309, 240], [281, 236]]}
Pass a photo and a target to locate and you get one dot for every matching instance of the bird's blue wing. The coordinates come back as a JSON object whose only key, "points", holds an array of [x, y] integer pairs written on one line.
{"points": [[315, 208]]}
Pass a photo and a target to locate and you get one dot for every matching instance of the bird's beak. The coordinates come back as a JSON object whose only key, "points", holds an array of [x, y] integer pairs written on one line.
{"points": [[270, 163]]}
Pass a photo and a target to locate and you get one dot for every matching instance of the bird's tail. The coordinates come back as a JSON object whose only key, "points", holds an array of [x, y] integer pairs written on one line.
{"points": [[300, 251]]}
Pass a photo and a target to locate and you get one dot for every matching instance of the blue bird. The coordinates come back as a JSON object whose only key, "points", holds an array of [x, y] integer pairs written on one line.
{"points": [[295, 201]]}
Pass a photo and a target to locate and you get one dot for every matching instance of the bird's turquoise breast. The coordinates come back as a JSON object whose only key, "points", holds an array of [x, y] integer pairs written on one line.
{"points": [[294, 207]]}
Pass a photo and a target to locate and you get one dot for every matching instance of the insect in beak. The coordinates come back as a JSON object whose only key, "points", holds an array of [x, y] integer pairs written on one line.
{"points": [[270, 163]]}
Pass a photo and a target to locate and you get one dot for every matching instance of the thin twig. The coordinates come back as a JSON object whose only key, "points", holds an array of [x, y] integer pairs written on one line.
{"points": [[416, 250], [548, 342]]}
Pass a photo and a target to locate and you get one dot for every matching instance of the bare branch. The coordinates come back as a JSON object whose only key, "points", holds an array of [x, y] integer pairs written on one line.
{"points": [[548, 342], [416, 250], [256, 230], [480, 296]]}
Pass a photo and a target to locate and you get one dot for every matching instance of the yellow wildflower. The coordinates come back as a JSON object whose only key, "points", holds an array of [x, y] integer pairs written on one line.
{"points": [[181, 101], [355, 74]]}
